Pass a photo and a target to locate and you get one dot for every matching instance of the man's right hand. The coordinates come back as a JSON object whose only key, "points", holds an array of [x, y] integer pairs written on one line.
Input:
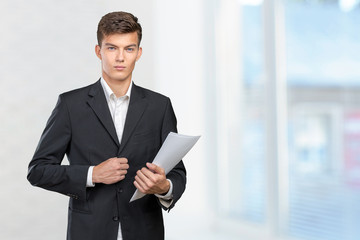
{"points": [[110, 171]]}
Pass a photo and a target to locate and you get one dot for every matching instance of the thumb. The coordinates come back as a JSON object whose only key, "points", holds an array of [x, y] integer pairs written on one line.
{"points": [[155, 168]]}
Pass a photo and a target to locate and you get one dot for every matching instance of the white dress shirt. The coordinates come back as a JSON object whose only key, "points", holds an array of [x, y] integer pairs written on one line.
{"points": [[118, 107]]}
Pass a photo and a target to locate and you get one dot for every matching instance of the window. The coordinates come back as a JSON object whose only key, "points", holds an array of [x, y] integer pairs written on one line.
{"points": [[297, 138], [323, 79]]}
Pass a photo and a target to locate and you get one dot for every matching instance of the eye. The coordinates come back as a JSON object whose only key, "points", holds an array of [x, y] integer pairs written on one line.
{"points": [[111, 48], [130, 49]]}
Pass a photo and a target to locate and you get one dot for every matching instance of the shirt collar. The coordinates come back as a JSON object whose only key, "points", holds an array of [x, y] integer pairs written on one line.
{"points": [[108, 92]]}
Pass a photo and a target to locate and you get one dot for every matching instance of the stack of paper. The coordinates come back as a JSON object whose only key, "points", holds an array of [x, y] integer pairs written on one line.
{"points": [[174, 148]]}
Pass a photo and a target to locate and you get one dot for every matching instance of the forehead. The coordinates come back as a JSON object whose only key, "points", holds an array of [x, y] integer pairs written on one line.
{"points": [[121, 39]]}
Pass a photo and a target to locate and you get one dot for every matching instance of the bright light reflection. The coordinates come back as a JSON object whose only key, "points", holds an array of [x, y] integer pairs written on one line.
{"points": [[348, 5], [253, 2]]}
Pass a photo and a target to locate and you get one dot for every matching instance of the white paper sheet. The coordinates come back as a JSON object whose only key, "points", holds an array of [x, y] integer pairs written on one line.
{"points": [[174, 148]]}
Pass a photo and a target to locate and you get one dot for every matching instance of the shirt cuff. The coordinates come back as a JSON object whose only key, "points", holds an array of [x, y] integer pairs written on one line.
{"points": [[89, 182], [167, 199]]}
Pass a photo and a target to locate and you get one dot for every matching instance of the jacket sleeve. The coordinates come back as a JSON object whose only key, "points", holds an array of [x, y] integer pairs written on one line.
{"points": [[45, 169], [178, 174]]}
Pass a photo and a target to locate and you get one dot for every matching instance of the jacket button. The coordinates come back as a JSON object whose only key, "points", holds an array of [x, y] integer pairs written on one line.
{"points": [[116, 218]]}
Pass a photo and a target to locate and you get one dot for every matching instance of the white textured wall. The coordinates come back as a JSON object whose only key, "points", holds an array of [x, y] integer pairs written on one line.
{"points": [[46, 48], [179, 74]]}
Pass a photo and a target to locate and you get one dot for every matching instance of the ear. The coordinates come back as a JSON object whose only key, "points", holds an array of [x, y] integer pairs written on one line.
{"points": [[139, 53], [97, 51]]}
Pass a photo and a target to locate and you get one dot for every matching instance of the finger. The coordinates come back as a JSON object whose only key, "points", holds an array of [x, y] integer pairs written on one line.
{"points": [[122, 177], [155, 168], [148, 174], [141, 183], [142, 176], [137, 185], [122, 160], [114, 179], [118, 166], [148, 183], [122, 172], [124, 166]]}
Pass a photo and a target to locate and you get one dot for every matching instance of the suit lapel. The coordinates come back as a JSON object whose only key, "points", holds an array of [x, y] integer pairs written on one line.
{"points": [[135, 111], [97, 102]]}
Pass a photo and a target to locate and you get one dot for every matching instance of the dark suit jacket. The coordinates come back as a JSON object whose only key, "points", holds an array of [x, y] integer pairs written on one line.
{"points": [[81, 127]]}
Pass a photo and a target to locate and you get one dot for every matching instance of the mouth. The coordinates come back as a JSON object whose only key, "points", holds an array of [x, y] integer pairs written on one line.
{"points": [[119, 67]]}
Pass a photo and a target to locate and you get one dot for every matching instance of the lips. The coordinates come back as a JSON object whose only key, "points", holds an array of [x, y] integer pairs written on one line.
{"points": [[119, 67]]}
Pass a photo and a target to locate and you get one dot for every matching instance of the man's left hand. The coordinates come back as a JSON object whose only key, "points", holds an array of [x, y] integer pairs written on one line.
{"points": [[151, 180]]}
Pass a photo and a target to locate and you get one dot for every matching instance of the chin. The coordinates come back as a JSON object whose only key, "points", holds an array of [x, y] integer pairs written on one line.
{"points": [[120, 79]]}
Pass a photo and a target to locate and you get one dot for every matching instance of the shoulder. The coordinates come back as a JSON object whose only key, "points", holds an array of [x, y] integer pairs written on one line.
{"points": [[79, 93], [151, 95]]}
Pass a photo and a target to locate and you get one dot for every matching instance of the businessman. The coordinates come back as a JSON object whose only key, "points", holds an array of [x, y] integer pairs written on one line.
{"points": [[110, 132]]}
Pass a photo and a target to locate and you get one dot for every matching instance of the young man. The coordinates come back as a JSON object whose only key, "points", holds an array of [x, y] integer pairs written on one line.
{"points": [[110, 132]]}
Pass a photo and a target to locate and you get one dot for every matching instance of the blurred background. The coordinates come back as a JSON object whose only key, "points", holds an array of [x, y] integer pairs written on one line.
{"points": [[273, 87]]}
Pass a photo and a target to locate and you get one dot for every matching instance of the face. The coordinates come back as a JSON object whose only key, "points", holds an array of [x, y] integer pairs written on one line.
{"points": [[118, 54]]}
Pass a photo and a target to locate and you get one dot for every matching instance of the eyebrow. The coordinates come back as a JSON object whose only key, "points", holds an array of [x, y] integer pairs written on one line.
{"points": [[131, 45], [112, 45]]}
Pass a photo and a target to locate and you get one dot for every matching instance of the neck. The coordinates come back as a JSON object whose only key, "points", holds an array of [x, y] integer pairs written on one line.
{"points": [[119, 87]]}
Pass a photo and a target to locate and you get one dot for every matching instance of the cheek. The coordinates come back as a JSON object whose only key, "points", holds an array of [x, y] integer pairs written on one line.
{"points": [[106, 63], [133, 61]]}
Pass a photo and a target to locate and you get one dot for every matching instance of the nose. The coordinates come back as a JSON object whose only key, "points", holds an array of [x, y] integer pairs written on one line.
{"points": [[120, 56]]}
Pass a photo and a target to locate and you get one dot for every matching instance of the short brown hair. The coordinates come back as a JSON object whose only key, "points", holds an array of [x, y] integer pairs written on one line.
{"points": [[118, 22]]}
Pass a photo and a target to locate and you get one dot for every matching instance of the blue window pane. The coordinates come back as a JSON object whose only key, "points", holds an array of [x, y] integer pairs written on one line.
{"points": [[323, 45], [323, 76]]}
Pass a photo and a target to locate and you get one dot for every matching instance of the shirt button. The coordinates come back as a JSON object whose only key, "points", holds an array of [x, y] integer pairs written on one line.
{"points": [[116, 218], [120, 190]]}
